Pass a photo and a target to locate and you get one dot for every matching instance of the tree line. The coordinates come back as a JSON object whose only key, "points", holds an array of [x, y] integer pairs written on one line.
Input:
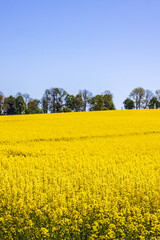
{"points": [[139, 98], [56, 100]]}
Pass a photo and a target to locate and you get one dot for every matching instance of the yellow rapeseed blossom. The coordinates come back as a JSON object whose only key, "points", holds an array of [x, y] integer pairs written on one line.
{"points": [[88, 175]]}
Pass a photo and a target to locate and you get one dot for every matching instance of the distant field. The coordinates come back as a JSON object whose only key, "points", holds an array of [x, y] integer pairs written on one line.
{"points": [[91, 175]]}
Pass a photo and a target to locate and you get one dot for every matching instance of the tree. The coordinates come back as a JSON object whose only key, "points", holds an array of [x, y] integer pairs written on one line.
{"points": [[66, 109], [138, 96], [86, 96], [128, 104], [157, 94], [45, 101], [1, 102], [78, 103], [20, 105], [33, 107], [108, 100], [57, 96], [148, 96], [9, 105], [97, 103], [102, 102], [154, 103], [74, 103], [70, 102]]}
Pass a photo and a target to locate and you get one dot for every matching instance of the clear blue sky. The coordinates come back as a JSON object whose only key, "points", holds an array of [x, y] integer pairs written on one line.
{"points": [[94, 44]]}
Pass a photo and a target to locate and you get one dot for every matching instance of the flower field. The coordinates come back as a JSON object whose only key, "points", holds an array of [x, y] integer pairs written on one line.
{"points": [[88, 175]]}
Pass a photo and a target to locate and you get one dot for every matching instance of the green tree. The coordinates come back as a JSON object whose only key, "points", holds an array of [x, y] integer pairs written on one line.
{"points": [[70, 102], [9, 105], [78, 103], [33, 107], [108, 101], [1, 102], [138, 95], [154, 103], [66, 109], [57, 96], [148, 96], [20, 105], [102, 102], [128, 104], [97, 103], [45, 101]]}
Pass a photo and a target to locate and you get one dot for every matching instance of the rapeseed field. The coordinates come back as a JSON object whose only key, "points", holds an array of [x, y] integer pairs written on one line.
{"points": [[88, 175]]}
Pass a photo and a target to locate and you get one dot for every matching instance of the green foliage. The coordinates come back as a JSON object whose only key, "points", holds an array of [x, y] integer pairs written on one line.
{"points": [[33, 107], [128, 104], [78, 103], [9, 105], [154, 103], [70, 102], [102, 102], [56, 99], [97, 103], [138, 95], [20, 105], [46, 100], [66, 109], [108, 100]]}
